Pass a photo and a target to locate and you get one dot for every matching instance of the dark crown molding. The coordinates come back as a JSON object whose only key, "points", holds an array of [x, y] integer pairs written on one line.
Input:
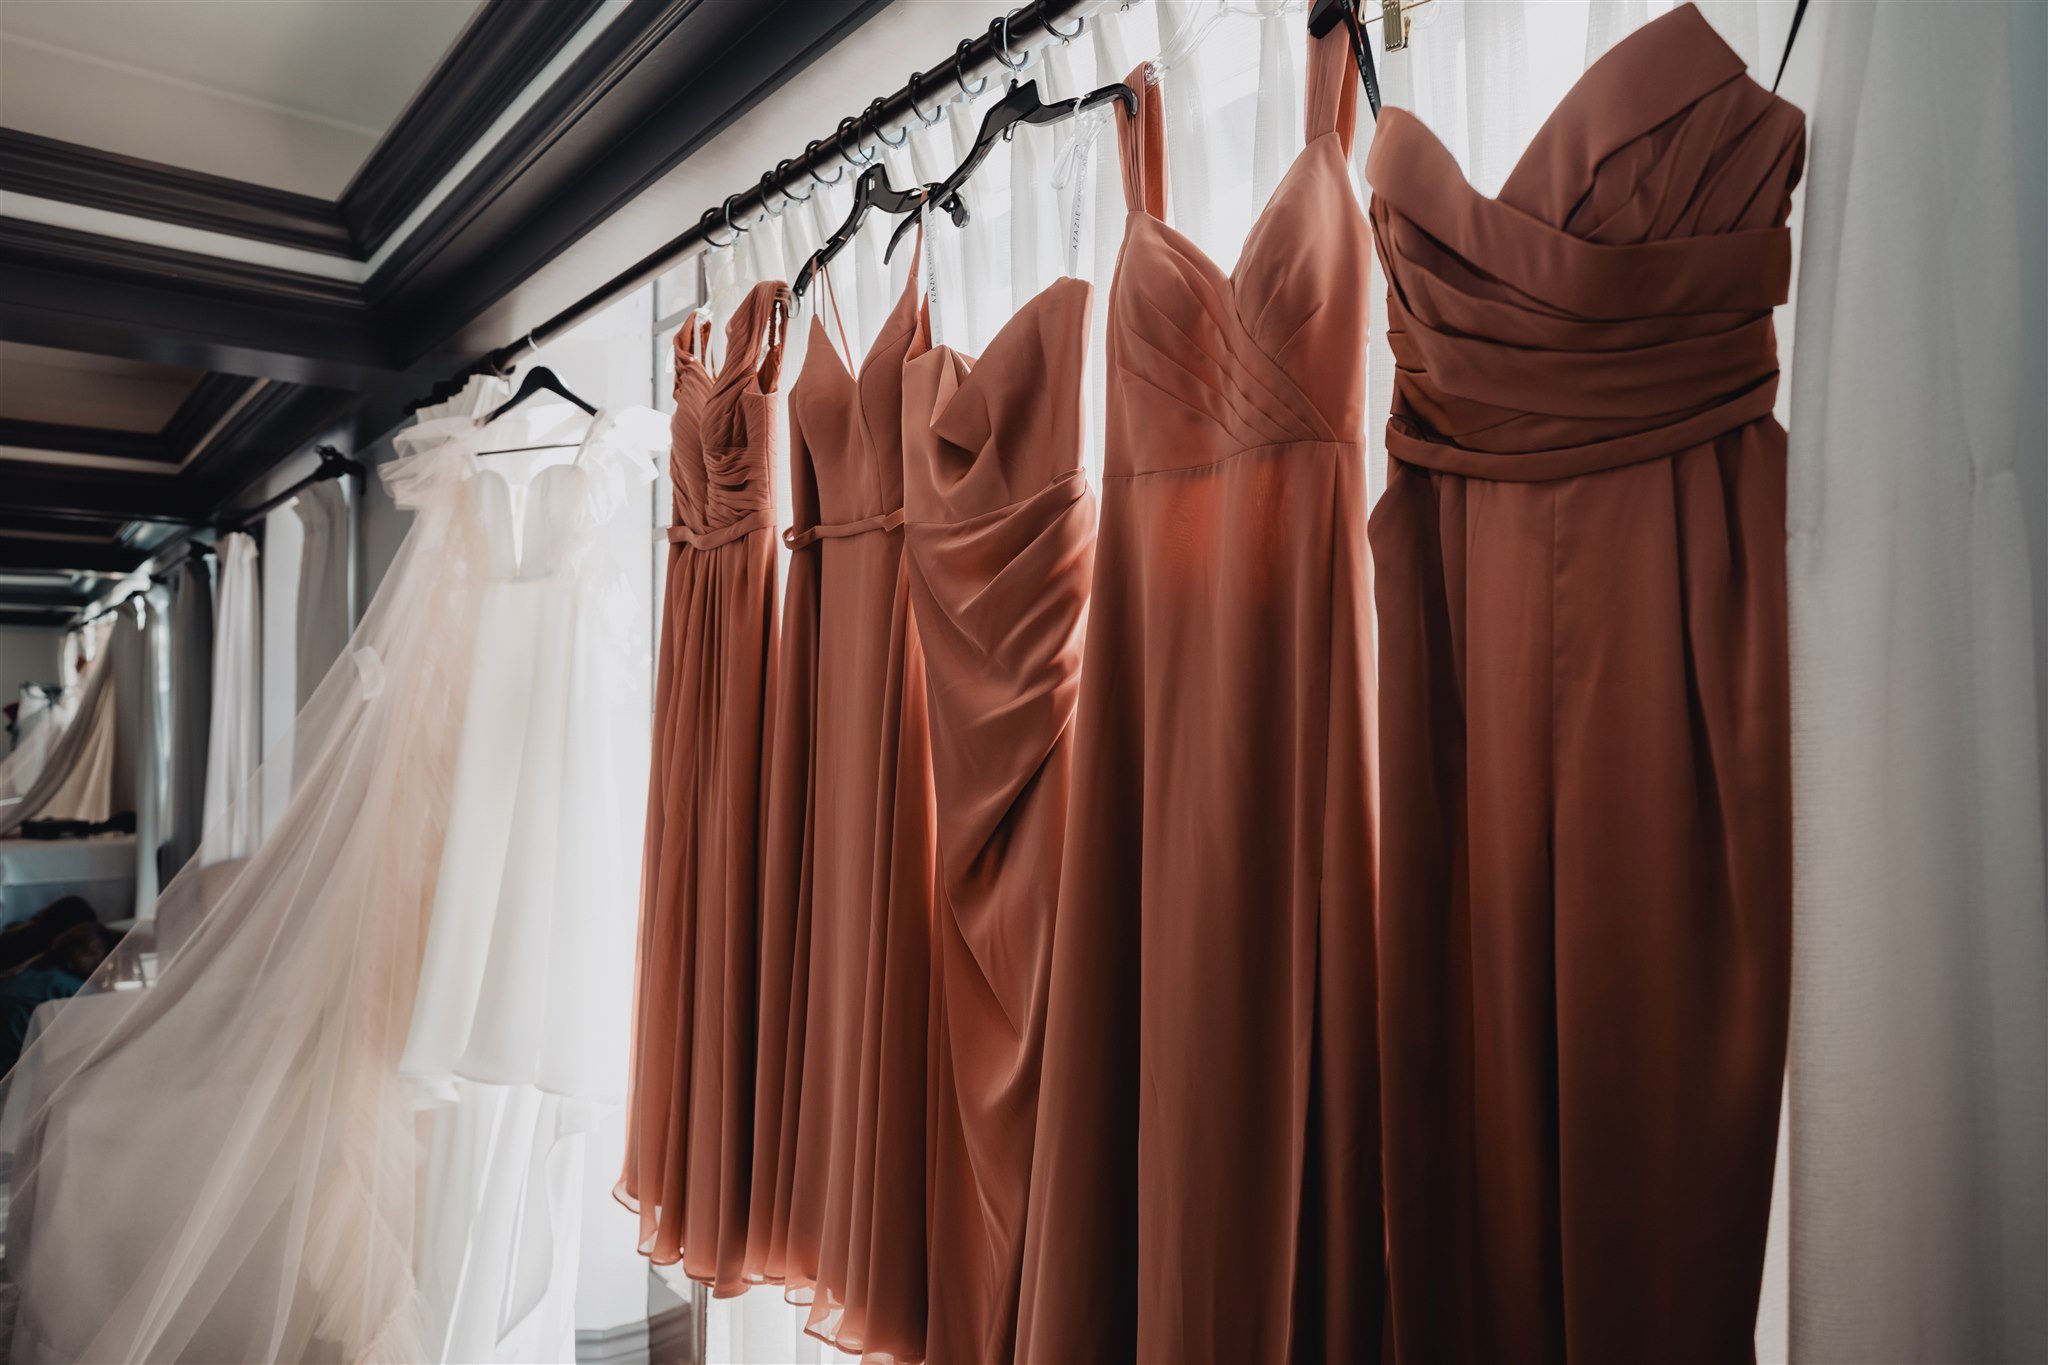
{"points": [[503, 47], [74, 174]]}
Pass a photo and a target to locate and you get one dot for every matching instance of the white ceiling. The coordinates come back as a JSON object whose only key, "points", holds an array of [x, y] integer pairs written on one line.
{"points": [[288, 93]]}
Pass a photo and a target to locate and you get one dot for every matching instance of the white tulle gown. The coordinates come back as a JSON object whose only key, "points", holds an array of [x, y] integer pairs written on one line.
{"points": [[517, 1043], [340, 1121]]}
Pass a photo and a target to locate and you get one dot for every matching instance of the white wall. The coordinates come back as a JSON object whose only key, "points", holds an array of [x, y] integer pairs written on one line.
{"points": [[28, 654]]}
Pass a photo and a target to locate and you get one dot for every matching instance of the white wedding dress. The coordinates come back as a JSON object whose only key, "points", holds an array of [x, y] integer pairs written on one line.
{"points": [[340, 1122]]}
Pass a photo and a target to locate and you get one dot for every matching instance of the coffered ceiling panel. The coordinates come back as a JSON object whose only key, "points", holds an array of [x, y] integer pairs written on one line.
{"points": [[71, 388], [293, 96]]}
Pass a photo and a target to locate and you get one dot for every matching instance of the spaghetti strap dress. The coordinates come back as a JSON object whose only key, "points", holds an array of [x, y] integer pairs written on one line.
{"points": [[1205, 1179], [1000, 539], [838, 1208], [1586, 881], [689, 1132]]}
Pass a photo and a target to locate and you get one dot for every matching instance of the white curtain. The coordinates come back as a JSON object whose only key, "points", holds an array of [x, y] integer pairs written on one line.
{"points": [[189, 644], [1919, 1070], [235, 724], [323, 619]]}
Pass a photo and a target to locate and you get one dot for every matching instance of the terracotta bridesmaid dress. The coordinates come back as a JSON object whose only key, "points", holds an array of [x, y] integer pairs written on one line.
{"points": [[1205, 1182], [838, 1211], [1585, 896], [1000, 540], [690, 1119]]}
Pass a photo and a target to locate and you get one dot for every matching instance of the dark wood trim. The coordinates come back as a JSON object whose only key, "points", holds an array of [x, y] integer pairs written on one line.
{"points": [[67, 554], [76, 174], [268, 430], [210, 400], [48, 616], [54, 595], [110, 296], [68, 440], [25, 243], [662, 79], [499, 52]]}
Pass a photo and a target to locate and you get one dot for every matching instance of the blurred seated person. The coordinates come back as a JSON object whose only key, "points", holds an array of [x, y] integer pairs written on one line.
{"points": [[33, 936], [58, 973]]}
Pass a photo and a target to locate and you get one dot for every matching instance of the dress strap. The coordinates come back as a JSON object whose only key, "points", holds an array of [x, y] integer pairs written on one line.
{"points": [[1141, 145], [838, 322], [1332, 88], [692, 339], [754, 336]]}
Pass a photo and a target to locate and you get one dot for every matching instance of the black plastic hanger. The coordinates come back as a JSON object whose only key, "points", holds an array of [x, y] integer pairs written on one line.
{"points": [[1019, 104], [872, 191], [539, 379], [1325, 15]]}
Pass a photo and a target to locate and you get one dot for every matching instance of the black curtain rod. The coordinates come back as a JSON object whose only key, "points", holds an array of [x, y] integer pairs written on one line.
{"points": [[333, 465], [1003, 48]]}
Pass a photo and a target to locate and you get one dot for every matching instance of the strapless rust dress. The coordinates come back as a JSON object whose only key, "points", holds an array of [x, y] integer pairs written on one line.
{"points": [[1205, 1181], [1585, 915]]}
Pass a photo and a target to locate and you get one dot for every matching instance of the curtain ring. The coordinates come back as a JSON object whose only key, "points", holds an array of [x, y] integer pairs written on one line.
{"points": [[1000, 29], [915, 77], [1080, 27], [782, 168], [710, 221], [811, 154], [765, 188], [730, 226], [959, 67], [839, 145], [870, 118]]}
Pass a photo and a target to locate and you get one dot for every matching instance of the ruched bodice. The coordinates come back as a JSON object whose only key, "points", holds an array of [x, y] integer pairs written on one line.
{"points": [[1613, 304], [1211, 364], [722, 429]]}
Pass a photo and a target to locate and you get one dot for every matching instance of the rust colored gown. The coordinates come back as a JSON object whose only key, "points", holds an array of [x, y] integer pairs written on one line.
{"points": [[1205, 1180], [838, 1205], [1000, 540], [690, 1117], [1586, 873]]}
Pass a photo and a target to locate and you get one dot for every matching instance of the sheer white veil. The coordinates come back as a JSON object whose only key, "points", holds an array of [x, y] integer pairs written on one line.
{"points": [[213, 1156]]}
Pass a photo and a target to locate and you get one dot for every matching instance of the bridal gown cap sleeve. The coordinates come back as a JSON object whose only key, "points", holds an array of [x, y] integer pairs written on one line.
{"points": [[1204, 1182], [1585, 895], [838, 1203], [690, 1128], [1000, 540]]}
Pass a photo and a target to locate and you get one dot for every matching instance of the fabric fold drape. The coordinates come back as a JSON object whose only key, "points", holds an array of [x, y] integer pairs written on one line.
{"points": [[691, 1118], [189, 640], [232, 827], [838, 1202], [1585, 881], [1918, 1104], [324, 601], [999, 537], [1204, 1179]]}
